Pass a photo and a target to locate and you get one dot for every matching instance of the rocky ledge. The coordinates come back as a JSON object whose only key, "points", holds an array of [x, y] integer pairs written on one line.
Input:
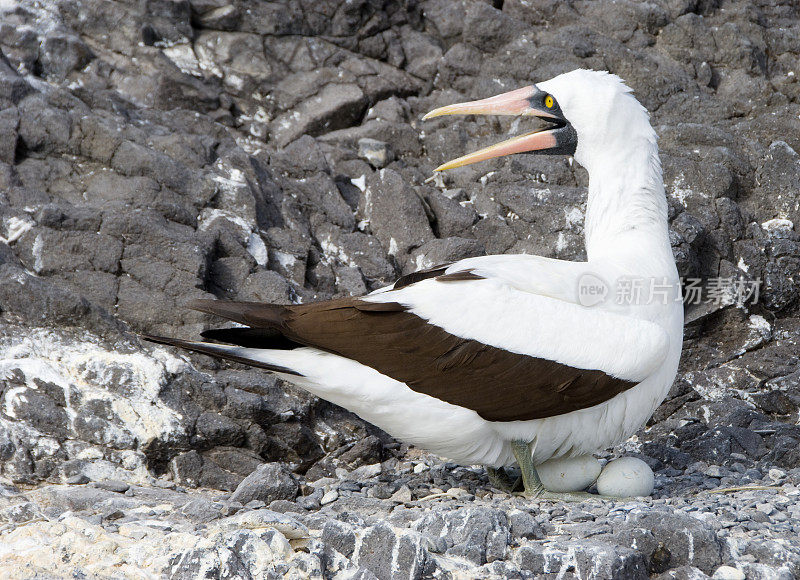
{"points": [[154, 151], [417, 518]]}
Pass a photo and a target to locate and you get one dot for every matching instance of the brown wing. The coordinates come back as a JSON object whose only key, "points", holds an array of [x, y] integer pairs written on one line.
{"points": [[498, 384]]}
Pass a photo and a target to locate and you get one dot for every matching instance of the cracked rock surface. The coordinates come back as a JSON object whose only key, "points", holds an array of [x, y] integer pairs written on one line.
{"points": [[156, 151]]}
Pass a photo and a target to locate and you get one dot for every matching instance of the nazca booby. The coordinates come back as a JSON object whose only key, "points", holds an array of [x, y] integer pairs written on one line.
{"points": [[500, 359]]}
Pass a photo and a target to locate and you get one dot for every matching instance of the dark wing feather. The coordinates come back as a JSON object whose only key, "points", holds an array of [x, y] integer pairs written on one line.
{"points": [[437, 272], [249, 313], [215, 350], [420, 275], [499, 385], [250, 337]]}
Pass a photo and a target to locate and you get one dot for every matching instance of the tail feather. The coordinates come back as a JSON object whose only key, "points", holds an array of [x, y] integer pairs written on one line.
{"points": [[269, 338], [248, 313], [232, 353]]}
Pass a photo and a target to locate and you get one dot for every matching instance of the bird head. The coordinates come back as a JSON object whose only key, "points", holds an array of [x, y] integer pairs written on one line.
{"points": [[587, 113]]}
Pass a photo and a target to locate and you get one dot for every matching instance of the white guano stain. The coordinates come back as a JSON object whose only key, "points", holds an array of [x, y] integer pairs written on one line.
{"points": [[258, 249], [36, 250], [128, 381], [778, 224], [15, 228], [360, 183]]}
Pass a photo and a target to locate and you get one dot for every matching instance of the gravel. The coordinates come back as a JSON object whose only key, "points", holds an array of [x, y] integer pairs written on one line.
{"points": [[155, 152]]}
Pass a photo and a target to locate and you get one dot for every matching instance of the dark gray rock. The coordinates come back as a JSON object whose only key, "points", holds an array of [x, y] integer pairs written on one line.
{"points": [[479, 535], [400, 138], [444, 251], [269, 482], [452, 217], [422, 53], [48, 251], [187, 468], [357, 249], [334, 107], [41, 412], [395, 214], [113, 485], [43, 128], [389, 555], [217, 429], [585, 559], [366, 451], [376, 153], [60, 55], [669, 540], [226, 467], [488, 28], [340, 536], [524, 525], [684, 573], [12, 86], [160, 151], [321, 192], [266, 286], [9, 121]]}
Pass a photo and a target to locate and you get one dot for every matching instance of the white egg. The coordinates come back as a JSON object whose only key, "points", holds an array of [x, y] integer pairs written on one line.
{"points": [[626, 477], [569, 473]]}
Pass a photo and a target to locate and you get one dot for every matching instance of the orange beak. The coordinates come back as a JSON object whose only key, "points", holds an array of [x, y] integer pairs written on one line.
{"points": [[527, 101]]}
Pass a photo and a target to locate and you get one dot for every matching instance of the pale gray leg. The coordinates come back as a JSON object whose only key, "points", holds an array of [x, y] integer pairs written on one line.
{"points": [[533, 485], [530, 479]]}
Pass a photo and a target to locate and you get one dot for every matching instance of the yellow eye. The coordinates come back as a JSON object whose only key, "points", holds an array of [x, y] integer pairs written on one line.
{"points": [[548, 102]]}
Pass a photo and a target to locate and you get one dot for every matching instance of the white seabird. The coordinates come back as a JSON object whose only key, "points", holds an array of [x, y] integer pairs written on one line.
{"points": [[498, 359]]}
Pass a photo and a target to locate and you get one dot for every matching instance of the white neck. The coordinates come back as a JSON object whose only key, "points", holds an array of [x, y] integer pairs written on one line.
{"points": [[626, 213]]}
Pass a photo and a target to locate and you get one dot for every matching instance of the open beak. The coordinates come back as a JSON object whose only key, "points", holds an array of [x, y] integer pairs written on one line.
{"points": [[528, 101]]}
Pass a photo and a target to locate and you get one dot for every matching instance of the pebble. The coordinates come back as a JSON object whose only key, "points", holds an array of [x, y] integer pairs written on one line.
{"points": [[114, 515], [103, 246], [779, 517], [402, 495], [377, 153], [579, 516], [365, 472], [715, 471], [753, 474], [329, 497], [113, 485], [765, 508], [310, 502], [380, 491], [776, 474], [728, 573]]}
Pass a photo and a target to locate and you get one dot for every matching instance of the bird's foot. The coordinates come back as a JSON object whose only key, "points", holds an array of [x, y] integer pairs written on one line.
{"points": [[533, 485], [499, 479]]}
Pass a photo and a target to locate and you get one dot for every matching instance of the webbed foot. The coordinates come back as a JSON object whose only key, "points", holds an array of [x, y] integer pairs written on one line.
{"points": [[533, 485]]}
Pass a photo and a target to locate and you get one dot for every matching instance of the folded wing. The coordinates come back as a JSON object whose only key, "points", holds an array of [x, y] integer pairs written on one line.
{"points": [[467, 340]]}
